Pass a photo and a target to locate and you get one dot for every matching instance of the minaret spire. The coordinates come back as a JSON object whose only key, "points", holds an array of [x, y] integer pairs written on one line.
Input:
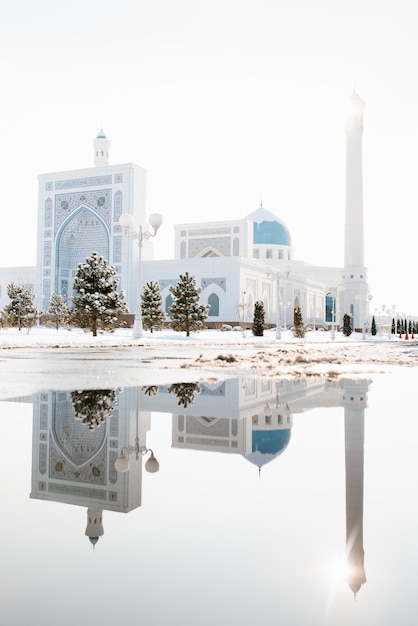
{"points": [[354, 301], [101, 149]]}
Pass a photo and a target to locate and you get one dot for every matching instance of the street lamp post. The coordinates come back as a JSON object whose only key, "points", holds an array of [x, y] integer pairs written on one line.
{"points": [[278, 311], [126, 221]]}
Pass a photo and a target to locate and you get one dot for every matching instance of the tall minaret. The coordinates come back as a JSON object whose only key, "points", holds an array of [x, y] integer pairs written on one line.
{"points": [[354, 299], [101, 149]]}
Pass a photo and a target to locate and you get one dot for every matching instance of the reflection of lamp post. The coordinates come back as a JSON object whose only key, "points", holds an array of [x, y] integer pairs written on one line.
{"points": [[126, 221], [122, 462]]}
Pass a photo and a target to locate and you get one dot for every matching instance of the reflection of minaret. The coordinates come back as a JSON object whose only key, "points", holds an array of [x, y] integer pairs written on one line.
{"points": [[94, 528], [354, 402], [354, 299]]}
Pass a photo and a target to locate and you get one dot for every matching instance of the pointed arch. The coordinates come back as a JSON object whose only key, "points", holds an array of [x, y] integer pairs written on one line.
{"points": [[213, 300], [82, 233]]}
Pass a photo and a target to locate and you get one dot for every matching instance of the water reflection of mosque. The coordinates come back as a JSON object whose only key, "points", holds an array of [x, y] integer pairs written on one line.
{"points": [[75, 463]]}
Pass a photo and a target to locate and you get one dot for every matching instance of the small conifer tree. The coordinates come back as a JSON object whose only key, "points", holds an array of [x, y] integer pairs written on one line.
{"points": [[186, 312], [58, 312], [299, 326], [153, 315], [347, 328], [374, 330], [392, 329], [258, 320], [21, 310], [98, 304]]}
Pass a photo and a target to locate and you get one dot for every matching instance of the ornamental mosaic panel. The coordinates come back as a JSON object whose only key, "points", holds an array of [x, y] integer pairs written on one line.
{"points": [[61, 467], [201, 232], [117, 249], [47, 253], [220, 244], [206, 390], [167, 283], [91, 181], [117, 204], [48, 213], [77, 490], [206, 282], [98, 201]]}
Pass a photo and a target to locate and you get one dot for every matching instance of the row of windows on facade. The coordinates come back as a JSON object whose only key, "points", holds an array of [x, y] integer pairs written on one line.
{"points": [[281, 254], [267, 420]]}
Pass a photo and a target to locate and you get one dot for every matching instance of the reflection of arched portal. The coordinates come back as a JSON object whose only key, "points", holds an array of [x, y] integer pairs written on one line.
{"points": [[83, 234]]}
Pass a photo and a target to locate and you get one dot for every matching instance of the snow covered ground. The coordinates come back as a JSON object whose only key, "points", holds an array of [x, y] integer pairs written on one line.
{"points": [[210, 350]]}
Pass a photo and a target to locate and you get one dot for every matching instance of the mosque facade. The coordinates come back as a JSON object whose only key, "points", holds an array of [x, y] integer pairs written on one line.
{"points": [[235, 262]]}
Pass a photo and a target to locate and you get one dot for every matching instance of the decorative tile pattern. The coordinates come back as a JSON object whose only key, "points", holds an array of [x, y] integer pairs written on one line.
{"points": [[91, 181], [98, 201], [206, 282]]}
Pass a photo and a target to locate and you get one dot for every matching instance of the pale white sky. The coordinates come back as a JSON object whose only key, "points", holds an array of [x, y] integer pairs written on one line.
{"points": [[222, 102]]}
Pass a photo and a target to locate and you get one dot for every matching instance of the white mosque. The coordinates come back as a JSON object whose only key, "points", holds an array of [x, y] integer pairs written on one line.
{"points": [[234, 262]]}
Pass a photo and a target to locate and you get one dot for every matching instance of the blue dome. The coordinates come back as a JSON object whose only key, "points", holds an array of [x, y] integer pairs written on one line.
{"points": [[268, 229], [267, 444], [101, 134]]}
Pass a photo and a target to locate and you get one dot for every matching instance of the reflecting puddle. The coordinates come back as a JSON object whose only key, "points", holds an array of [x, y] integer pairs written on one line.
{"points": [[265, 501]]}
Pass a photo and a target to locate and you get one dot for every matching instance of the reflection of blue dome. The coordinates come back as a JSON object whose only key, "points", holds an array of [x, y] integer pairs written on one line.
{"points": [[267, 444], [268, 229]]}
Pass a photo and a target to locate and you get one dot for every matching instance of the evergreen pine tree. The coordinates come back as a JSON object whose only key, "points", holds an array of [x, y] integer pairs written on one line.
{"points": [[398, 326], [392, 329], [347, 328], [258, 320], [21, 310], [186, 312], [299, 326], [153, 315], [374, 330], [99, 304], [58, 312]]}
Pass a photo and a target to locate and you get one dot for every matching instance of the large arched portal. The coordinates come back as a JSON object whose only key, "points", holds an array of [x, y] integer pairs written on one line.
{"points": [[83, 233]]}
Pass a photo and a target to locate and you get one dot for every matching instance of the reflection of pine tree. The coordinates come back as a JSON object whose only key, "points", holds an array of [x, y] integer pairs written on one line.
{"points": [[93, 406], [185, 392], [150, 390]]}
